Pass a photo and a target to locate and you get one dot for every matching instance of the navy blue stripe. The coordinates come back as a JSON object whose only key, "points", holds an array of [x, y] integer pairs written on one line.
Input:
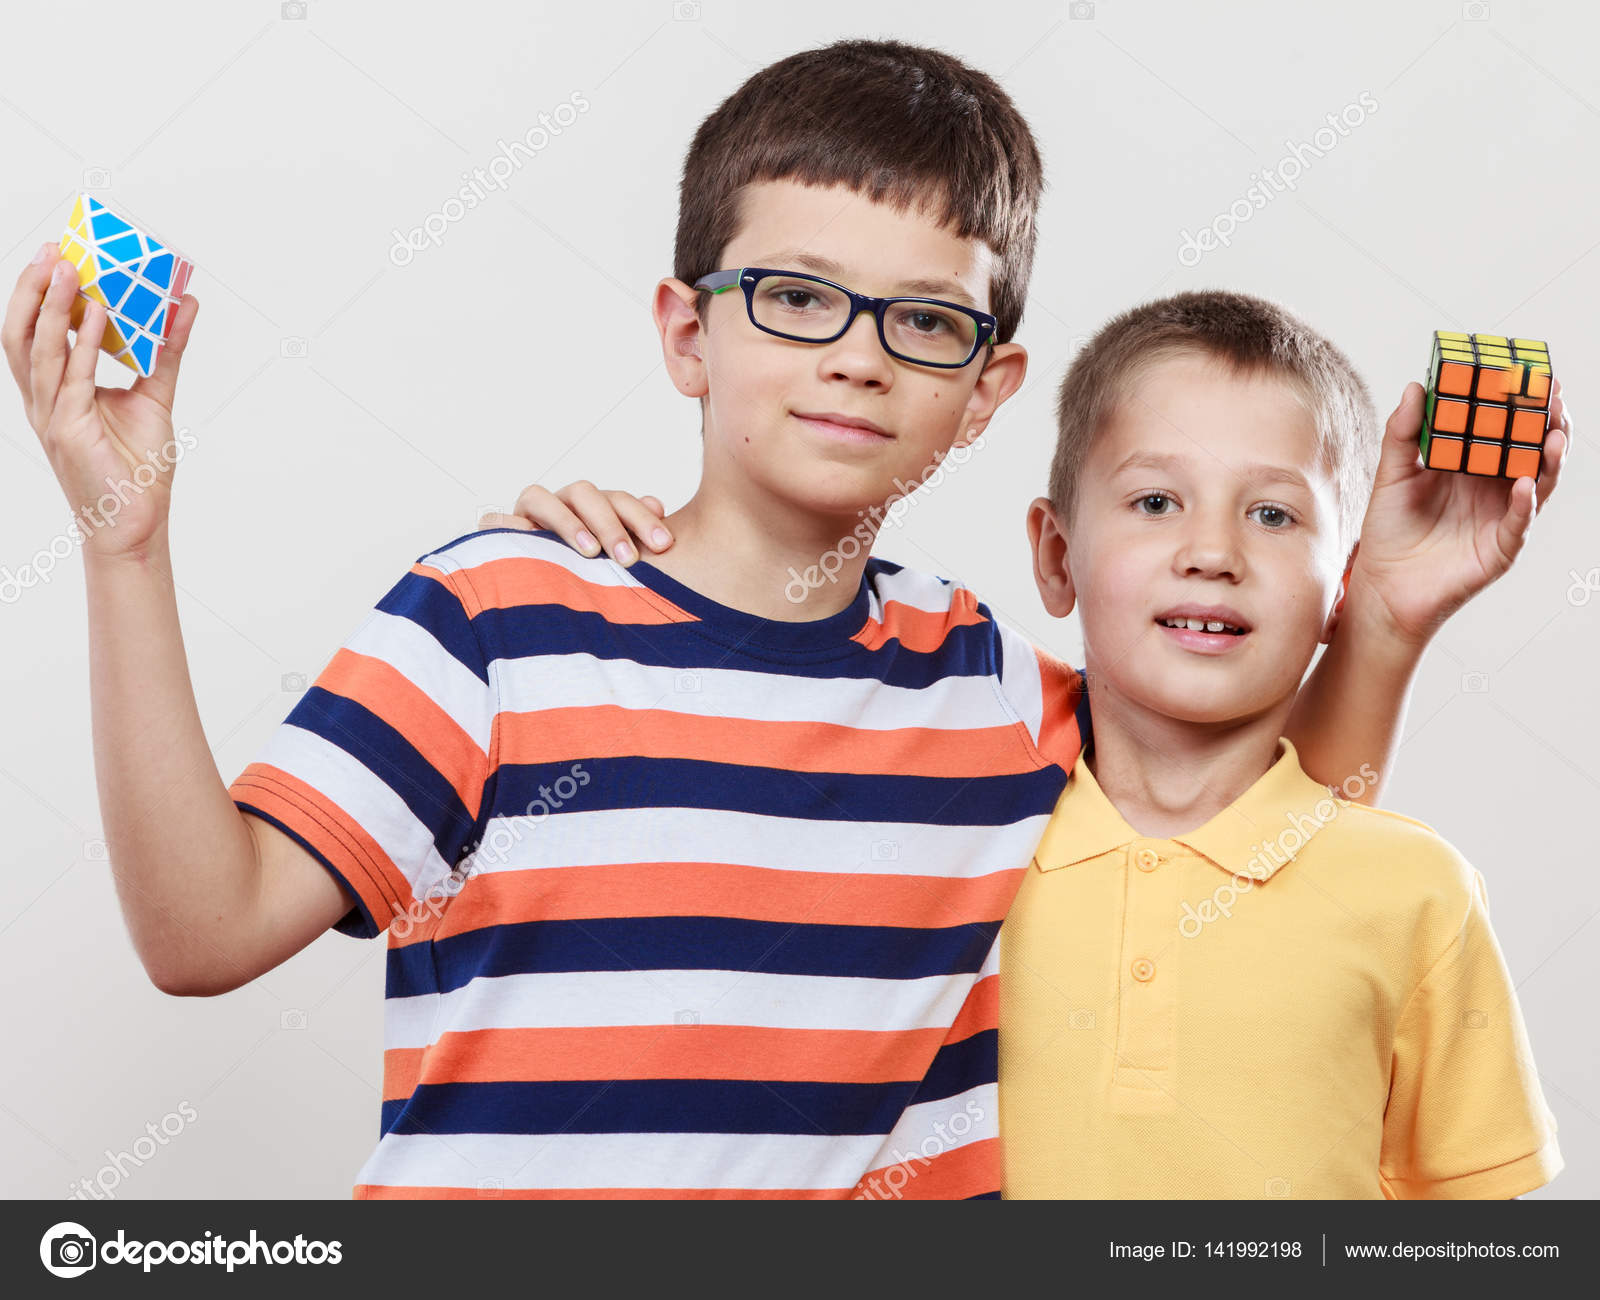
{"points": [[958, 1067], [434, 608], [615, 783], [649, 1106], [390, 757], [554, 629], [689, 943]]}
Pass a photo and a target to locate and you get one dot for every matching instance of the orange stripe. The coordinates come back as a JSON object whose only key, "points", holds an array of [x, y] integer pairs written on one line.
{"points": [[965, 1171], [611, 731], [524, 580], [920, 630], [436, 736], [375, 1192], [665, 1052], [980, 1011], [628, 889], [1059, 738], [331, 831]]}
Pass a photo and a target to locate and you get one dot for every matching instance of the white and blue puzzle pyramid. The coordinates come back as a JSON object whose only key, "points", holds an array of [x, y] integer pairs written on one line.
{"points": [[138, 280]]}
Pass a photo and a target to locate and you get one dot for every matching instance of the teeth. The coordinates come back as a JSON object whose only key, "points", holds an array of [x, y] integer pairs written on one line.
{"points": [[1214, 627], [1200, 625], [1195, 624]]}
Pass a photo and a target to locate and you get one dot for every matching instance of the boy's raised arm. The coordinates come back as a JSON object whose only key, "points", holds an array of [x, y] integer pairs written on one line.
{"points": [[1430, 541], [212, 898]]}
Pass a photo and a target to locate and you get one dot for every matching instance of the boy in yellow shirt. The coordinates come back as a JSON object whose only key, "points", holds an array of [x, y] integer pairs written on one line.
{"points": [[1221, 978]]}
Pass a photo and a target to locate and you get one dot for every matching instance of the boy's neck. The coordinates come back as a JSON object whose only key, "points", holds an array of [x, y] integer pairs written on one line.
{"points": [[748, 558], [1166, 776]]}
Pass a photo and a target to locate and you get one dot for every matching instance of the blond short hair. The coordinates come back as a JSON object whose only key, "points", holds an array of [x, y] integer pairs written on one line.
{"points": [[1254, 336]]}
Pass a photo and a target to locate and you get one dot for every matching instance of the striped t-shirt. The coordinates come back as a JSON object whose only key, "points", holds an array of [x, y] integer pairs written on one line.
{"points": [[680, 901]]}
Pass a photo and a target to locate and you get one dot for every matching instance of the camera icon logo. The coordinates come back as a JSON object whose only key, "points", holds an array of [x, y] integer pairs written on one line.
{"points": [[1080, 9], [1474, 683], [1278, 1187], [687, 683], [293, 347], [96, 178], [1475, 1019], [293, 682], [686, 1017], [686, 11], [491, 1186], [67, 1250], [293, 1018], [95, 851], [885, 851], [292, 11], [1080, 1018]]}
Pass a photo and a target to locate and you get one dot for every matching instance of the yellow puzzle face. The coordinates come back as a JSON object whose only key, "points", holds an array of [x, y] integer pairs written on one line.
{"points": [[1488, 405]]}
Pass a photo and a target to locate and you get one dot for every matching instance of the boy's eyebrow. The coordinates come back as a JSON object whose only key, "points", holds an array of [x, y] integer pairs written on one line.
{"points": [[1251, 473], [826, 266]]}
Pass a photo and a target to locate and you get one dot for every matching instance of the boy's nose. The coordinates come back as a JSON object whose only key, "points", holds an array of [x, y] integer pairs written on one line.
{"points": [[858, 354], [1210, 552]]}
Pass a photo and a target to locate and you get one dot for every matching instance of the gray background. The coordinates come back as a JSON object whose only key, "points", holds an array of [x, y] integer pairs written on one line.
{"points": [[351, 415]]}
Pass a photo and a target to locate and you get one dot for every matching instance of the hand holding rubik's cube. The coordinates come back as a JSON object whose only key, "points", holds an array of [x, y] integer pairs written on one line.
{"points": [[134, 276], [1488, 405]]}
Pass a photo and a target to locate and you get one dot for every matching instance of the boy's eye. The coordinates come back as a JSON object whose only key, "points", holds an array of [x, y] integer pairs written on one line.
{"points": [[1158, 501], [1274, 517], [923, 320]]}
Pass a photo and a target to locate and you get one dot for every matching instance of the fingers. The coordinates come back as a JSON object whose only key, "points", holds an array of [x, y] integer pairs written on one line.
{"points": [[48, 355], [1555, 456], [1512, 530], [1400, 434], [654, 505], [22, 313], [75, 398], [163, 383], [543, 509], [599, 519], [643, 522], [493, 520]]}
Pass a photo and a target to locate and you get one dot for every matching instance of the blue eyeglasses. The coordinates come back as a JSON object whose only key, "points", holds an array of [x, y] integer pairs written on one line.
{"points": [[809, 309]]}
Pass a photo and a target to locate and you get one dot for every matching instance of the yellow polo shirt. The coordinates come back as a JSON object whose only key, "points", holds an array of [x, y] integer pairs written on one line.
{"points": [[1302, 998]]}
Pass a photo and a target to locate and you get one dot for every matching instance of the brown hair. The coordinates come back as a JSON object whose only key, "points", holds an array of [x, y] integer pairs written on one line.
{"points": [[901, 124], [1251, 334]]}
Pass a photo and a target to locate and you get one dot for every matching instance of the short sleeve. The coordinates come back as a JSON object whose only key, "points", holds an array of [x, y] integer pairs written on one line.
{"points": [[380, 768], [1466, 1117], [1047, 694]]}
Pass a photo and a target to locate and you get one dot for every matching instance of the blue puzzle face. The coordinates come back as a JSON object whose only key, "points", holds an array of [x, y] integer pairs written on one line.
{"points": [[134, 276]]}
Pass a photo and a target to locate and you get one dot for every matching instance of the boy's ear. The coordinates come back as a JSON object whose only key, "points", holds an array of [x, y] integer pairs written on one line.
{"points": [[681, 333], [1001, 376], [1330, 623], [1048, 539]]}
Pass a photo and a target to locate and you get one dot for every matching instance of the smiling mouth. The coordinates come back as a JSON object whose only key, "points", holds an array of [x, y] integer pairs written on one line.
{"points": [[1214, 626]]}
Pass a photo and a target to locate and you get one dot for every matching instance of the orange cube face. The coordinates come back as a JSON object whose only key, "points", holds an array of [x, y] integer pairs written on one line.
{"points": [[1487, 409]]}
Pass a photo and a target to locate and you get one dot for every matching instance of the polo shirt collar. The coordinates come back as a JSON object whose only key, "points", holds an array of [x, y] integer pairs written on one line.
{"points": [[1255, 836]]}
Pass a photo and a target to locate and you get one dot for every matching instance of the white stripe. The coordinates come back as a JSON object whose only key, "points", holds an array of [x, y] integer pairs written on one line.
{"points": [[419, 657], [924, 591], [577, 681], [594, 999], [364, 799], [609, 835], [1020, 679], [933, 1128], [682, 1161], [484, 548]]}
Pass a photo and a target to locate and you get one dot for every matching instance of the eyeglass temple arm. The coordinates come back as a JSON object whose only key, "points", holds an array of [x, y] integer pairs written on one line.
{"points": [[719, 281]]}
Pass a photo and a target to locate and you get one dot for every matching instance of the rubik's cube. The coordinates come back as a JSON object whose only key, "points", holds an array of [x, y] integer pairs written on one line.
{"points": [[135, 277], [1488, 405]]}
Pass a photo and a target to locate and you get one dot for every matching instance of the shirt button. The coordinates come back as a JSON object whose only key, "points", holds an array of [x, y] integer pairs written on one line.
{"points": [[1144, 970], [1146, 860]]}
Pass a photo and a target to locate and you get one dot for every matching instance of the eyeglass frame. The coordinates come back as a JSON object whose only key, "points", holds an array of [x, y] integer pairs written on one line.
{"points": [[747, 277]]}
